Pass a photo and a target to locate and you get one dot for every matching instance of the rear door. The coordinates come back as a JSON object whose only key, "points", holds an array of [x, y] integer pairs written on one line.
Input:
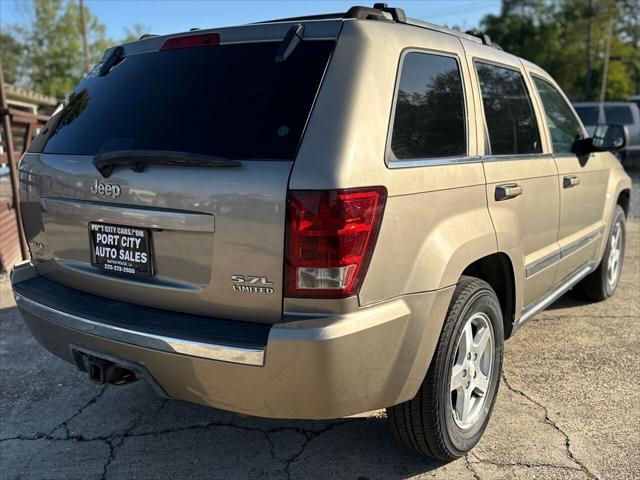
{"points": [[582, 182], [522, 188], [203, 136]]}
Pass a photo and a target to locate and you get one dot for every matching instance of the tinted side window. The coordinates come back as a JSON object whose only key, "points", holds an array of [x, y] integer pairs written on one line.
{"points": [[508, 111], [429, 117], [618, 115], [563, 125], [588, 115]]}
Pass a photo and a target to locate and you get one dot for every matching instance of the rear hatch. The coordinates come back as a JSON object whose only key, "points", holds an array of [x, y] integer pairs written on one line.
{"points": [[195, 142]]}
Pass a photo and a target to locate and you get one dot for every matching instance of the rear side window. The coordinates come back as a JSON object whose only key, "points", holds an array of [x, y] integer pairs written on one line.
{"points": [[429, 118], [618, 115], [588, 115], [511, 122], [231, 101], [563, 125]]}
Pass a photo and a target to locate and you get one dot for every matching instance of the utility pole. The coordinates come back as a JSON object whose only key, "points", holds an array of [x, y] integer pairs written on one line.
{"points": [[637, 50], [85, 45], [605, 73], [587, 88]]}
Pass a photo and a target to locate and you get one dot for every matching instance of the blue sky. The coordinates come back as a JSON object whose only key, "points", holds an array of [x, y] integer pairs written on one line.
{"points": [[168, 16]]}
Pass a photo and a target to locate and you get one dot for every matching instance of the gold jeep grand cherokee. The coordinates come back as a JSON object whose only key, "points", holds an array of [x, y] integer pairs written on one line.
{"points": [[314, 217]]}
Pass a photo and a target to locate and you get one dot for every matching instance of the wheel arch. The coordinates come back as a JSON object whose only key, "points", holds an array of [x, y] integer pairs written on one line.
{"points": [[497, 270], [624, 199]]}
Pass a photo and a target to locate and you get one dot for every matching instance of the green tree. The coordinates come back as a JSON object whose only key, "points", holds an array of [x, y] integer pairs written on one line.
{"points": [[53, 45], [134, 33], [554, 35], [10, 56]]}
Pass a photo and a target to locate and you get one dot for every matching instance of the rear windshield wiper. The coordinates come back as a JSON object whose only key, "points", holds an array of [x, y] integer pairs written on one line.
{"points": [[138, 160]]}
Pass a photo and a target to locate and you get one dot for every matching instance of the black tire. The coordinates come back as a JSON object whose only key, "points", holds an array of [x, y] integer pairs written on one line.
{"points": [[426, 423], [597, 285]]}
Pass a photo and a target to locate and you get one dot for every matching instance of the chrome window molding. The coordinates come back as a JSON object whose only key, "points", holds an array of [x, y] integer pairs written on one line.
{"points": [[520, 156], [430, 162]]}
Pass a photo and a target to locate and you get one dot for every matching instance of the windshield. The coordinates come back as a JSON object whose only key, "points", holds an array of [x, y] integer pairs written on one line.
{"points": [[231, 101]]}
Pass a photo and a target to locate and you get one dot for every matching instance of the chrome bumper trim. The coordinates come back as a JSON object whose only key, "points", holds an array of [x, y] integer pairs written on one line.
{"points": [[225, 353]]}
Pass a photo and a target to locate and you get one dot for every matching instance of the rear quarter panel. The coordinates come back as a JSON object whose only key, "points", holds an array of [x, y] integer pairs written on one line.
{"points": [[436, 220]]}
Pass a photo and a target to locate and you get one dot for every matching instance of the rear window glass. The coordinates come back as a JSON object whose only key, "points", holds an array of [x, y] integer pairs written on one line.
{"points": [[618, 115], [508, 111], [429, 117], [588, 115], [231, 101]]}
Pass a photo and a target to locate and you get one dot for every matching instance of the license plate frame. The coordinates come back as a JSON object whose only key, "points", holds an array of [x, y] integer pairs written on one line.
{"points": [[121, 249]]}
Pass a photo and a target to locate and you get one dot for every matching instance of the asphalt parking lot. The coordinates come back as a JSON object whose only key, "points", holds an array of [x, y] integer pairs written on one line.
{"points": [[567, 409]]}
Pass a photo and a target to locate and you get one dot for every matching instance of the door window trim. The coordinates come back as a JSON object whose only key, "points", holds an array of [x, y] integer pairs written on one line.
{"points": [[488, 156], [583, 130], [394, 163]]}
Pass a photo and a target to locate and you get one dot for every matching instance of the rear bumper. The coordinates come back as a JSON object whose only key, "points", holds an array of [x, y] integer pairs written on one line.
{"points": [[324, 367]]}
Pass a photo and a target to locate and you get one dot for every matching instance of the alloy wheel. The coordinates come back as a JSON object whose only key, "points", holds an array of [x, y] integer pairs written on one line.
{"points": [[472, 369]]}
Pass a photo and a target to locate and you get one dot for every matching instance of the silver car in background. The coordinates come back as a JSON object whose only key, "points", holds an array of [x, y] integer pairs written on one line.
{"points": [[618, 113]]}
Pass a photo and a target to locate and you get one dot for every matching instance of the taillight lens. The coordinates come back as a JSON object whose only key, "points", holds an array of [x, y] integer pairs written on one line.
{"points": [[330, 238], [198, 40]]}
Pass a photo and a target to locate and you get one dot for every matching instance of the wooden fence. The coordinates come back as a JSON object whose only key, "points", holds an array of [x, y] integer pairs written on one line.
{"points": [[18, 129]]}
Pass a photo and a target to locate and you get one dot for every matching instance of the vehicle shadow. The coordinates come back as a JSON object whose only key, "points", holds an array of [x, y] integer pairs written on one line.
{"points": [[568, 300], [145, 435], [359, 447]]}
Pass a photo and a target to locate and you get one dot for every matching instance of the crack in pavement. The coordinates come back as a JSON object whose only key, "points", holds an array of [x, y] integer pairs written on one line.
{"points": [[554, 425], [585, 316], [482, 461], [114, 442], [62, 425], [469, 466], [310, 436], [65, 423]]}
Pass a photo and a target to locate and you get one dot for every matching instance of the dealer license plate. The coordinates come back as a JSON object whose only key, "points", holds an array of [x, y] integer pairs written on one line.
{"points": [[121, 249]]}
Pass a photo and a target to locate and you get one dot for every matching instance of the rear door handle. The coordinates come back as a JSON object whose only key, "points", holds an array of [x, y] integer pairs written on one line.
{"points": [[570, 181], [507, 191]]}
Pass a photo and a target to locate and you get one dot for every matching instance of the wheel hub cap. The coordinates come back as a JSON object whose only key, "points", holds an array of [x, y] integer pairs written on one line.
{"points": [[615, 254], [471, 371]]}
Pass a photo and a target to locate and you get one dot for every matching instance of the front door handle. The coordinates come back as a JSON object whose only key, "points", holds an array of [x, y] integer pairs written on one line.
{"points": [[570, 181], [507, 191]]}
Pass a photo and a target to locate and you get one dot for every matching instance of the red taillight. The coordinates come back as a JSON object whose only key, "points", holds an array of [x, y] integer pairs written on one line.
{"points": [[330, 239], [191, 41]]}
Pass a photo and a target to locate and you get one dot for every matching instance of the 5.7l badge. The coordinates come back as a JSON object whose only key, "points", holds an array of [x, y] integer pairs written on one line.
{"points": [[252, 284]]}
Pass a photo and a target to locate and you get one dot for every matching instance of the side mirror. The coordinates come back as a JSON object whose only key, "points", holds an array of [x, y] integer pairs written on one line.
{"points": [[609, 137], [605, 138]]}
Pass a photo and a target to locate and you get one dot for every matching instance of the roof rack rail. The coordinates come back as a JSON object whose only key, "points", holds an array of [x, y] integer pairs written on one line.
{"points": [[486, 39], [382, 12], [324, 16], [397, 14]]}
